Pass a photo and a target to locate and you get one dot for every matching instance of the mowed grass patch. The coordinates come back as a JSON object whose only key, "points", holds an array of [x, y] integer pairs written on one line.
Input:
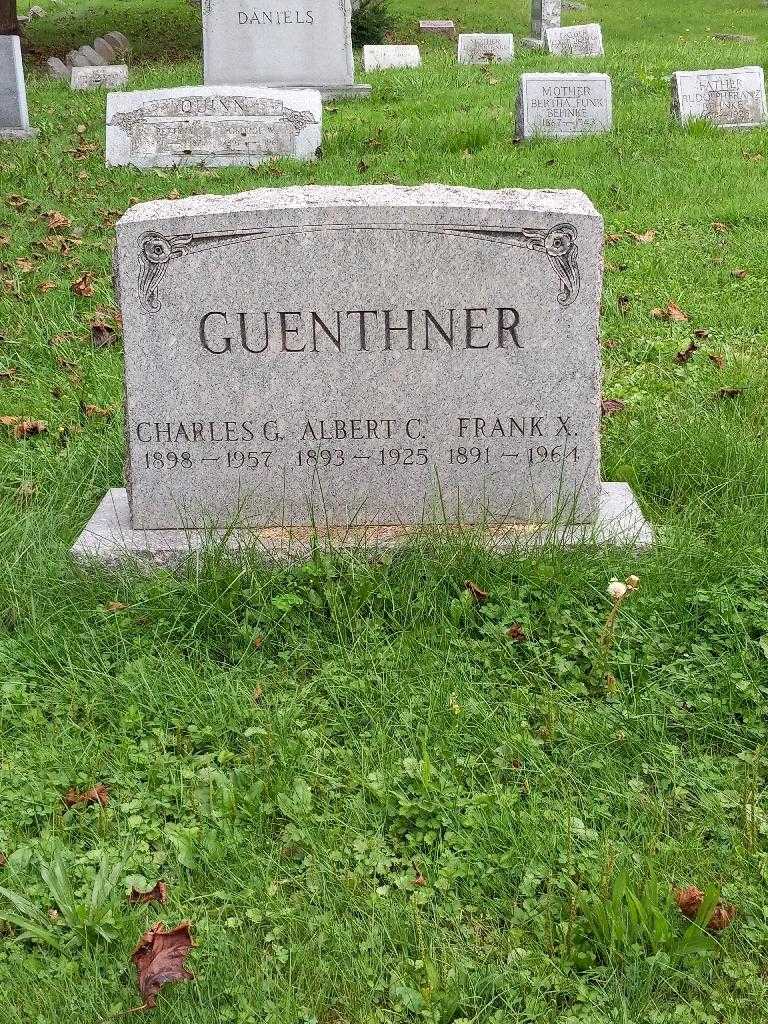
{"points": [[374, 804]]}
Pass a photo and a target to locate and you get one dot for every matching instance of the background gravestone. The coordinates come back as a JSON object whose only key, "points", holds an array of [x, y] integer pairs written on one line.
{"points": [[212, 126], [544, 14], [575, 41], [110, 76], [297, 46], [376, 58], [563, 105], [14, 117], [486, 48], [729, 98]]}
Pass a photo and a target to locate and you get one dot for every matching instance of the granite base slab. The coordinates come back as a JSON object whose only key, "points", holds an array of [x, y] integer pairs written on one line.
{"points": [[358, 91], [110, 539], [17, 134], [531, 43]]}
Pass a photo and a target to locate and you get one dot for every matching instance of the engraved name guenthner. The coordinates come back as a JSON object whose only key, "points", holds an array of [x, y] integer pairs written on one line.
{"points": [[558, 244], [211, 125]]}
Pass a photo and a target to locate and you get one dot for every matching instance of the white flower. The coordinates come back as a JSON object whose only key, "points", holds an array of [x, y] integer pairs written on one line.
{"points": [[616, 590]]}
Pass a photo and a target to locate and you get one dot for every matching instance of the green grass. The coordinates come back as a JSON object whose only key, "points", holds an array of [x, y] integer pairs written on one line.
{"points": [[373, 805]]}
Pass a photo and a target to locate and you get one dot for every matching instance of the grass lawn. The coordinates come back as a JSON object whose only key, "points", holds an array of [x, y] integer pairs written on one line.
{"points": [[373, 804]]}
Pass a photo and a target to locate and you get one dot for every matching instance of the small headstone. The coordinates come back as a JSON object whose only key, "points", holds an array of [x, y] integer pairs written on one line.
{"points": [[563, 106], [575, 41], [75, 59], [544, 14], [297, 47], [14, 117], [731, 37], [95, 60], [729, 98], [212, 126], [486, 48], [376, 58], [57, 68], [105, 50], [437, 28], [370, 358], [111, 76], [118, 41]]}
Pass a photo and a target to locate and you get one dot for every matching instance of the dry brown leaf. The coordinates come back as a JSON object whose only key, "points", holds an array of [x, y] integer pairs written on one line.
{"points": [[689, 901], [159, 959], [7, 374], [740, 274], [25, 265], [27, 490], [3, 860], [362, 167], [717, 359], [102, 335], [719, 227], [609, 343], [645, 237], [95, 795], [46, 286], [17, 202], [670, 312], [624, 303], [613, 239], [4, 240], [681, 358], [175, 194], [730, 392], [23, 428], [115, 606], [83, 286], [701, 333], [274, 171], [97, 410], [56, 221], [479, 595], [610, 406], [516, 633], [157, 894]]}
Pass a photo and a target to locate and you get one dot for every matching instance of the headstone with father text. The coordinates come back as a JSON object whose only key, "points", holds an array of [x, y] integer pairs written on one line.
{"points": [[563, 106], [732, 98], [14, 118], [212, 126], [370, 358], [305, 45]]}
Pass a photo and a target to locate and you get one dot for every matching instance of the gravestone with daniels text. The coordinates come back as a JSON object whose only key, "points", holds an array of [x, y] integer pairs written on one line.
{"points": [[303, 45], [366, 358]]}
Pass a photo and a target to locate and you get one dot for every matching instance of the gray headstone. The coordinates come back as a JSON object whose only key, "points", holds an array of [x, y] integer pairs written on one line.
{"points": [[563, 106], [118, 41], [112, 76], [57, 68], [486, 48], [297, 47], [575, 41], [379, 57], [437, 28], [376, 354], [544, 14], [729, 98], [95, 60], [105, 50], [14, 117], [75, 59], [212, 126]]}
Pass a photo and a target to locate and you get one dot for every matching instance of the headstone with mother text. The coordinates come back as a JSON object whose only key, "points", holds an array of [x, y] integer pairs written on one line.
{"points": [[563, 106], [374, 359], [306, 45]]}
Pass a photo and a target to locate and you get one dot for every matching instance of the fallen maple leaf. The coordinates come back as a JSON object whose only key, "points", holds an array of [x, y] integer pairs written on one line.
{"points": [[95, 795], [613, 239], [730, 392], [701, 334], [719, 227], [56, 221], [717, 359], [23, 428], [689, 901], [645, 237], [8, 374], [159, 959], [4, 240], [610, 406], [670, 312], [17, 202], [681, 358], [516, 633], [97, 410], [46, 286], [114, 606], [83, 285], [477, 594], [157, 894], [25, 266], [102, 335], [609, 343], [740, 274]]}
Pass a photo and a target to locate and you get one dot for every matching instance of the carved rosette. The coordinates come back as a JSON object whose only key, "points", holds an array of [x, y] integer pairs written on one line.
{"points": [[558, 244]]}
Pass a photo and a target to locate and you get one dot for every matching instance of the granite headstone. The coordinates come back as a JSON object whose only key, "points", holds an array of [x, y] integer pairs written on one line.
{"points": [[544, 14], [486, 48], [575, 41], [376, 58], [437, 28], [563, 105], [110, 76], [212, 126], [14, 116], [729, 98], [306, 46]]}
